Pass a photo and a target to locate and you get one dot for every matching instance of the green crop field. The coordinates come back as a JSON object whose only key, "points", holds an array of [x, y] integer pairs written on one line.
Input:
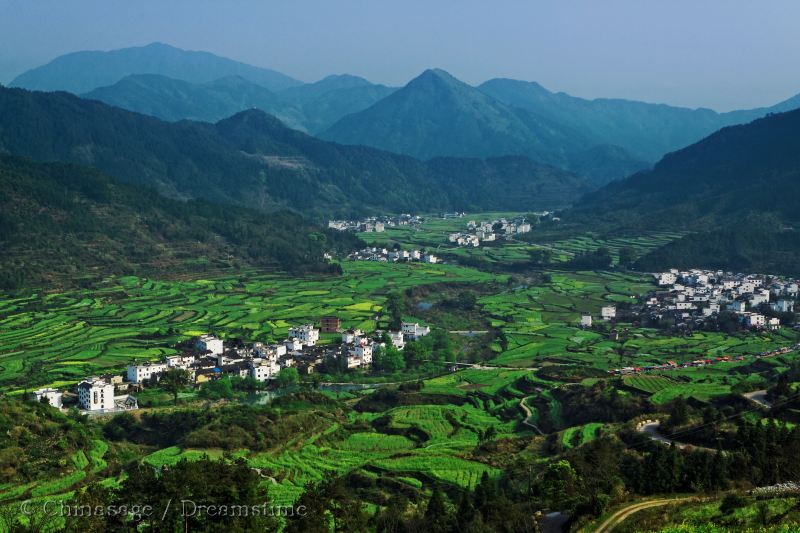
{"points": [[56, 339], [648, 383]]}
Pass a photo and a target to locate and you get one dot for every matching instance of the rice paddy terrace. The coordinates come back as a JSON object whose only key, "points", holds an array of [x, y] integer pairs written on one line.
{"points": [[56, 339]]}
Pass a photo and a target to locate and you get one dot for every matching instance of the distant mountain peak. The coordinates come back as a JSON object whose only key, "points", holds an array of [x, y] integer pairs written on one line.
{"points": [[84, 71]]}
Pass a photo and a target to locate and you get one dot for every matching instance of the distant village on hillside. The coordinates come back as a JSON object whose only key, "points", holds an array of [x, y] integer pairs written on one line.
{"points": [[693, 299], [489, 231], [376, 224], [209, 358]]}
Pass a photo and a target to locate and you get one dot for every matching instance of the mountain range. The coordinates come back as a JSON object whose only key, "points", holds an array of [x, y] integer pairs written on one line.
{"points": [[61, 222], [80, 72], [253, 159], [310, 107], [433, 115]]}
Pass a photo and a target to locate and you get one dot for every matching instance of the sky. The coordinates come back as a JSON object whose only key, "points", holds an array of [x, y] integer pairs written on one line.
{"points": [[722, 54]]}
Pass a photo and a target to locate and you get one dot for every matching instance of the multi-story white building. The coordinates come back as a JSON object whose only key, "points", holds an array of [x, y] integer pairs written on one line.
{"points": [[144, 372], [95, 394], [413, 331], [53, 396], [306, 334], [430, 258], [210, 343], [263, 370], [755, 320], [351, 335], [363, 352], [586, 321]]}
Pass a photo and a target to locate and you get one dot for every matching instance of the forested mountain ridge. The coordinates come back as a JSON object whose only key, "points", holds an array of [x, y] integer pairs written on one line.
{"points": [[61, 221], [436, 114], [253, 159], [648, 131], [739, 189]]}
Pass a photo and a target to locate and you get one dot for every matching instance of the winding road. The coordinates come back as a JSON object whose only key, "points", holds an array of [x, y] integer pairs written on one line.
{"points": [[759, 397], [619, 516], [528, 415]]}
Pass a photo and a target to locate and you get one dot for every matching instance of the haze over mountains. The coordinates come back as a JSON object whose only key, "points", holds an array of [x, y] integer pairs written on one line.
{"points": [[310, 107], [80, 72], [433, 115]]}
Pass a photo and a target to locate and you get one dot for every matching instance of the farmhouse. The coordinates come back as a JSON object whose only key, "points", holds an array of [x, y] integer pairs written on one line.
{"points": [[51, 396], [306, 334], [95, 394], [413, 331], [145, 372], [210, 343]]}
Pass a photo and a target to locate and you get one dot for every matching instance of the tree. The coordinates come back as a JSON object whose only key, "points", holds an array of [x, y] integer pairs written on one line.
{"points": [[627, 256], [396, 306], [287, 377], [467, 300], [437, 514], [679, 412], [175, 380], [559, 483]]}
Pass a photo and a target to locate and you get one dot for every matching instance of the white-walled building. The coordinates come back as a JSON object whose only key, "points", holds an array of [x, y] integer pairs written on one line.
{"points": [[95, 394], [210, 343], [413, 331], [53, 396], [306, 334], [608, 312], [398, 341], [140, 373], [263, 370], [586, 321], [351, 335]]}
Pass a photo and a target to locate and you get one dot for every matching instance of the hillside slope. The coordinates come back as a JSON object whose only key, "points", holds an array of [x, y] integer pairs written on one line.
{"points": [[740, 188], [437, 115], [646, 130], [253, 159], [61, 221]]}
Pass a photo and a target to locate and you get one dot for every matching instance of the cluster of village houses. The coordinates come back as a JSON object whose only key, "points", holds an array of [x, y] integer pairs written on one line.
{"points": [[376, 224], [393, 256], [692, 296], [488, 231], [211, 359]]}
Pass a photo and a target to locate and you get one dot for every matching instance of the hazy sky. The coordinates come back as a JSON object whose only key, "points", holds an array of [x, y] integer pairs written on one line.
{"points": [[722, 54]]}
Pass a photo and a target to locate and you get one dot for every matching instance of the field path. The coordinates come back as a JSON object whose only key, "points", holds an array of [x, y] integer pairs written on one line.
{"points": [[528, 415], [651, 428], [619, 516]]}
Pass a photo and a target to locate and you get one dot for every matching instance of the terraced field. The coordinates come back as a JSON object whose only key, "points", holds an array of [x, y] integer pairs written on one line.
{"points": [[56, 339], [649, 384]]}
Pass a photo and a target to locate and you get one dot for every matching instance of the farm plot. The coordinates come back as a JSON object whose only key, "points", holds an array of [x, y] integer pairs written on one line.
{"points": [[133, 318]]}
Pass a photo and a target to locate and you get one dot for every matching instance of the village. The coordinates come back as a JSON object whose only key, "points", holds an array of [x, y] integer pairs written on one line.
{"points": [[692, 297], [393, 256], [490, 231], [376, 224], [209, 358]]}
